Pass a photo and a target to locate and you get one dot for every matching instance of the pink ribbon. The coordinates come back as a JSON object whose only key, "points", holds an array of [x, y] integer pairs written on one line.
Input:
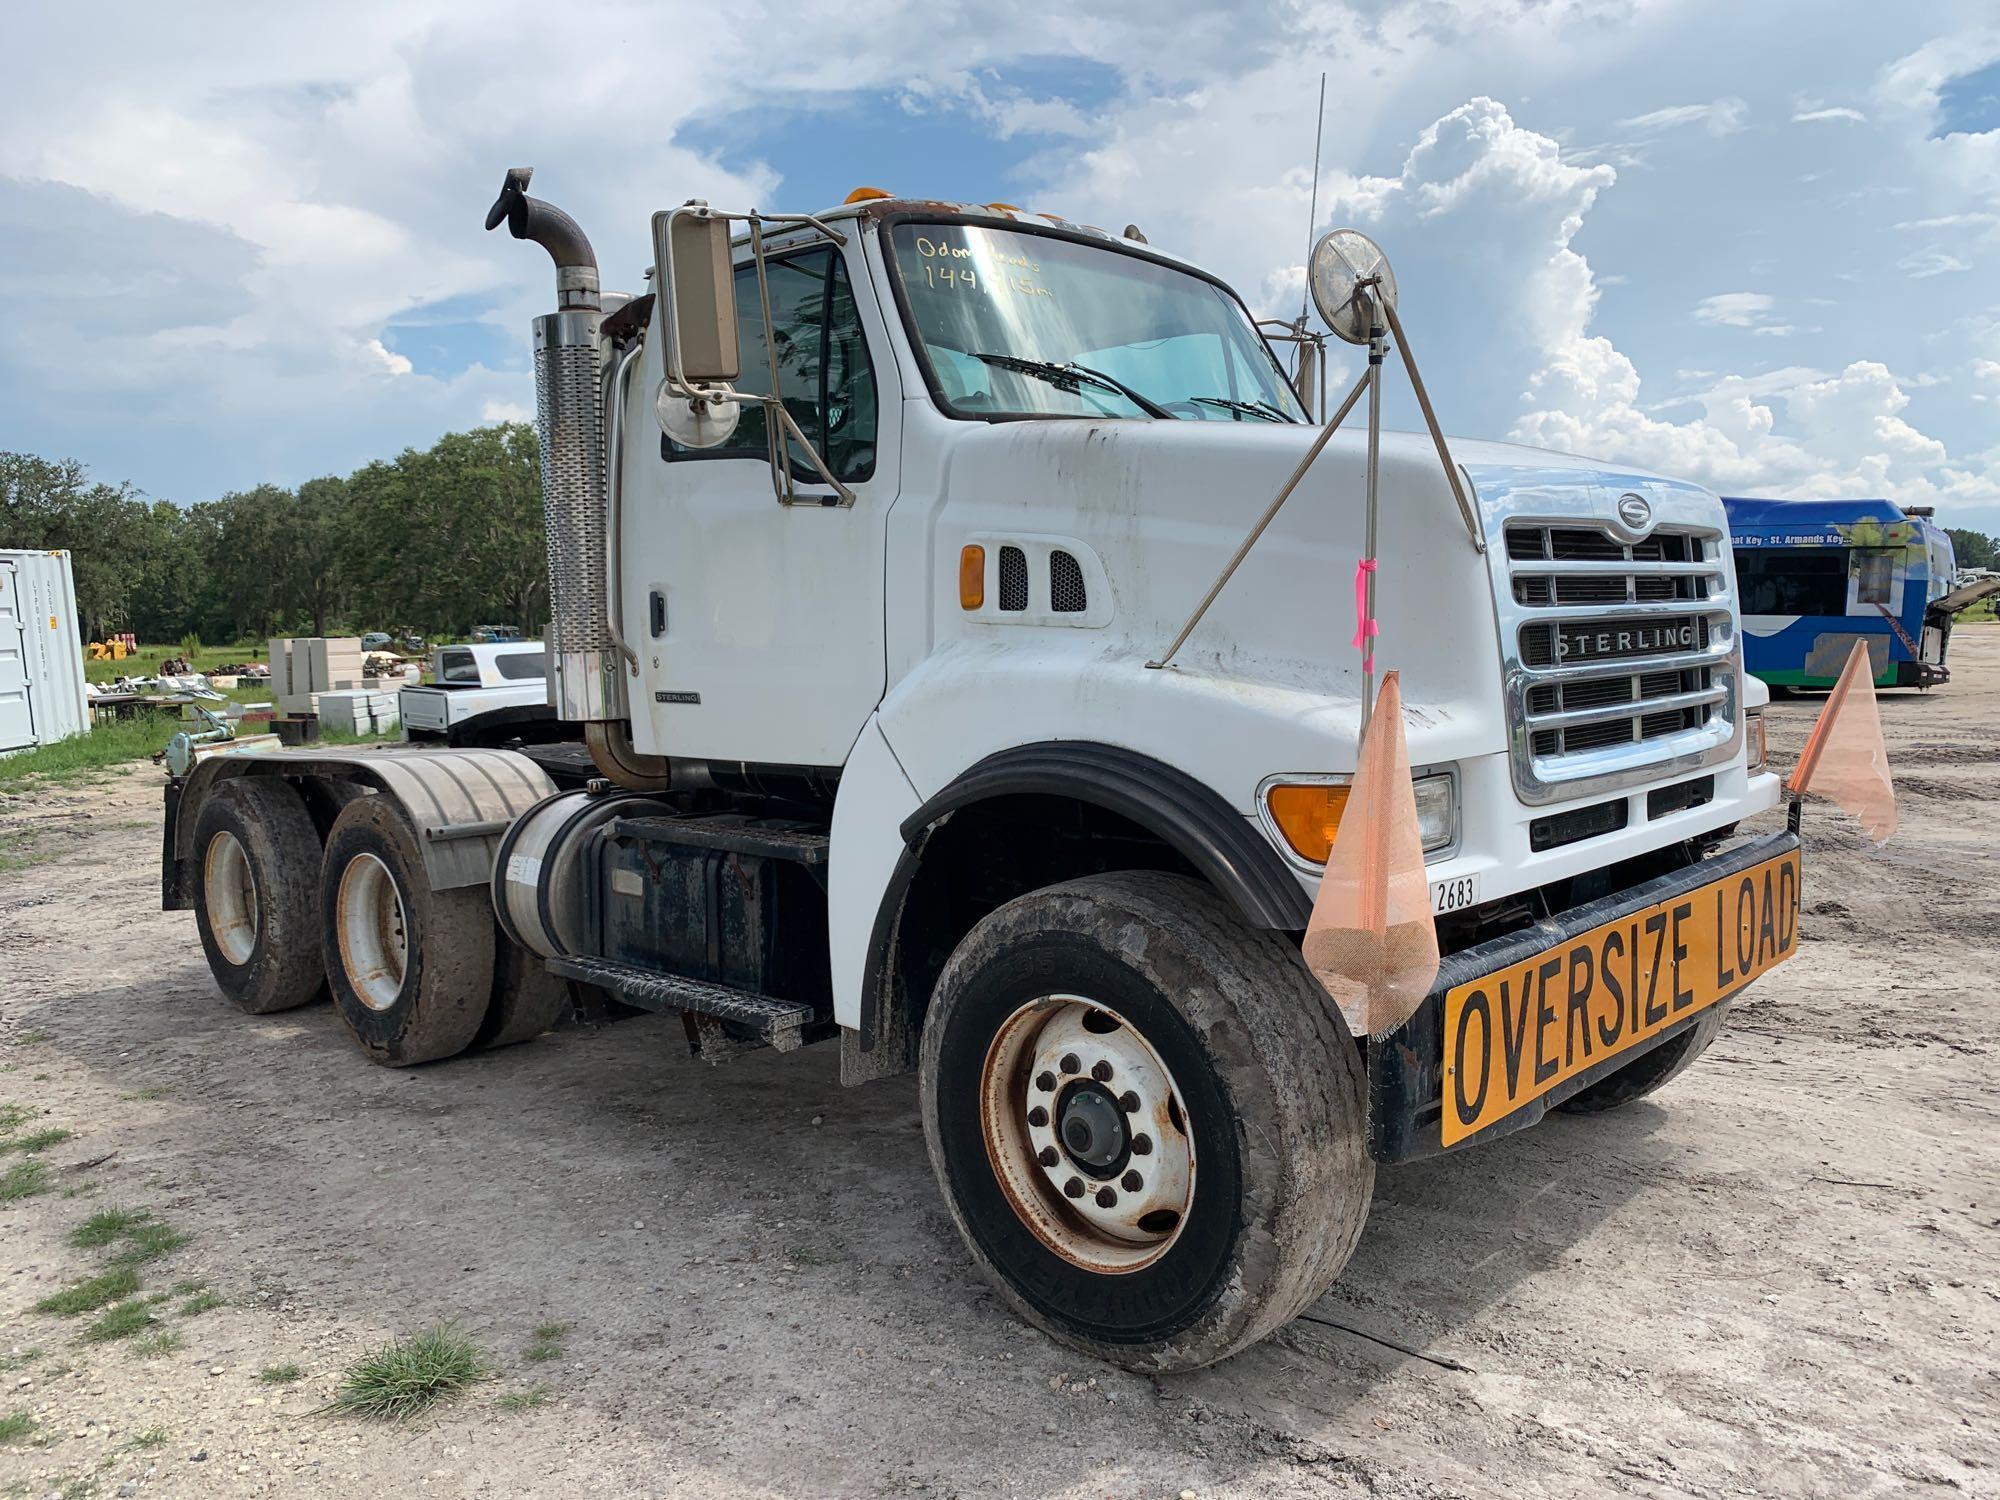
{"points": [[1365, 629]]}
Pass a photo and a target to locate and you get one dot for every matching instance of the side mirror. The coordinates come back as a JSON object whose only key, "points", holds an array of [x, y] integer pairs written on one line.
{"points": [[697, 295]]}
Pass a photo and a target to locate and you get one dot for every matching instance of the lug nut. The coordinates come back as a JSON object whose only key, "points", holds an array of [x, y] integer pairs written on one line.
{"points": [[1102, 1072], [1049, 1156], [1070, 1063], [1046, 1082], [1142, 1145], [1074, 1187], [1038, 1116], [1129, 1102], [1106, 1198], [1132, 1182]]}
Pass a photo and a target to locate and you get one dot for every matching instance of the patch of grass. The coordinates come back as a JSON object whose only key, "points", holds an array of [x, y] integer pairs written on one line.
{"points": [[157, 1091], [110, 743], [13, 1117], [25, 1179], [149, 1241], [402, 1379], [120, 1322], [16, 1425], [814, 1255], [31, 1038], [152, 1437], [280, 1374], [202, 1302], [187, 1288], [91, 1294], [21, 1361], [153, 1345], [534, 1396], [36, 1140], [546, 1343], [20, 850], [106, 1226], [80, 1487]]}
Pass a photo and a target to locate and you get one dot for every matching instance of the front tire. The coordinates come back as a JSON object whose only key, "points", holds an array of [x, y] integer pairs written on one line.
{"points": [[1147, 1122], [411, 968], [1647, 1073]]}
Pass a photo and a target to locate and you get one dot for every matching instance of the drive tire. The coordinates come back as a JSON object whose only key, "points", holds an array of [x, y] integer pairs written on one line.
{"points": [[256, 854], [527, 999], [410, 968], [1262, 1081], [1648, 1073]]}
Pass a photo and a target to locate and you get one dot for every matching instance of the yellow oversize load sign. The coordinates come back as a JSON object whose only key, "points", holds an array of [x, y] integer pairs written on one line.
{"points": [[1512, 1035]]}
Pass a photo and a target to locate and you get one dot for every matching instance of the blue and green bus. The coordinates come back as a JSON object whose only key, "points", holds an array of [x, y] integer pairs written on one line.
{"points": [[1814, 576]]}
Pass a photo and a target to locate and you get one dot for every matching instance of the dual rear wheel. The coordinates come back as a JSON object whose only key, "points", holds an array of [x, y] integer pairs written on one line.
{"points": [[416, 974]]}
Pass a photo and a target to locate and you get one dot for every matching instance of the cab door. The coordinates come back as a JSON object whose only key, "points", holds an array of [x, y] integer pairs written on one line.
{"points": [[759, 624]]}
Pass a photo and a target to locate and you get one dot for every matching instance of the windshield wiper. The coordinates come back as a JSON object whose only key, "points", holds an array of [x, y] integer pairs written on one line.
{"points": [[1262, 409], [1069, 376]]}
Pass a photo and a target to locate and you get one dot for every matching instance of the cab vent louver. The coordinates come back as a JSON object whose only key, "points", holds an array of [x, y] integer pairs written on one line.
{"points": [[1067, 595], [1013, 579]]}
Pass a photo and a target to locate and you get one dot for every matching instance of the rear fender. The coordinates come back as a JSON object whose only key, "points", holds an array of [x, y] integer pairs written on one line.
{"points": [[459, 801]]}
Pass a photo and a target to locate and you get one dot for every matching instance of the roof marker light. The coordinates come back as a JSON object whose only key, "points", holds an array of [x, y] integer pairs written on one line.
{"points": [[867, 195]]}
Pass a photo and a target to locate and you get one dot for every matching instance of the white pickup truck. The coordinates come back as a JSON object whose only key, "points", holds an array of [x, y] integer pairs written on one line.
{"points": [[480, 694], [868, 531]]}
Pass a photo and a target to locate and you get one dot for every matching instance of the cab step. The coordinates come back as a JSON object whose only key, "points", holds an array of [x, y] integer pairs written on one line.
{"points": [[756, 1020]]}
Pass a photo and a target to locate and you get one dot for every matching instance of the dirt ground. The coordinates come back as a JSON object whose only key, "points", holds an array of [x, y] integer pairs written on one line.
{"points": [[1776, 1278]]}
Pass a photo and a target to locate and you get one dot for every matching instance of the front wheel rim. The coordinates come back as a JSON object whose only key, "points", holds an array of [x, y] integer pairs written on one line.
{"points": [[373, 932], [229, 891], [1087, 1134]]}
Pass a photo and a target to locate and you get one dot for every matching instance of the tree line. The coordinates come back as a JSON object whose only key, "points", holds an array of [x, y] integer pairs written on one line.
{"points": [[436, 541]]}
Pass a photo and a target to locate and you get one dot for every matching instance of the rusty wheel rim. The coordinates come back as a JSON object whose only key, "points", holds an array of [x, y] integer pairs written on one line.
{"points": [[1087, 1134], [230, 893]]}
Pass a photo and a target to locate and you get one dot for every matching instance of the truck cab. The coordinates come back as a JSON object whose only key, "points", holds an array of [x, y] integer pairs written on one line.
{"points": [[868, 530]]}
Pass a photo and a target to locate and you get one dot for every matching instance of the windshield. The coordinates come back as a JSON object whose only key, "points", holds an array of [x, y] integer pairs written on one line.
{"points": [[1028, 325]]}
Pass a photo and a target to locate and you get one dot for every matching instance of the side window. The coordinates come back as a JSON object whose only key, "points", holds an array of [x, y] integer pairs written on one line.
{"points": [[1875, 574], [824, 373]]}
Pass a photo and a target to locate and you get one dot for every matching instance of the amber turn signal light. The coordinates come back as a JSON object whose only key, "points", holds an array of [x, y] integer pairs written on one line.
{"points": [[1308, 816], [971, 577]]}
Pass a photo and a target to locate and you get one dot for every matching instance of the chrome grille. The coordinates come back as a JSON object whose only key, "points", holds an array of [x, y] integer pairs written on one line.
{"points": [[1620, 652]]}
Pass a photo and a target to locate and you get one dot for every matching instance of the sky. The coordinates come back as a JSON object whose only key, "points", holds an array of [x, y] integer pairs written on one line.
{"points": [[1752, 245]]}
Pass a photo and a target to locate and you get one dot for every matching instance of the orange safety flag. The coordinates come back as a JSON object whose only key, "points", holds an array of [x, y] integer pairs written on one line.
{"points": [[1371, 940], [1844, 757]]}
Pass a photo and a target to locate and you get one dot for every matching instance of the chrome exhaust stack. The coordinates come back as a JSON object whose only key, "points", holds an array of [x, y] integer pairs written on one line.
{"points": [[587, 684]]}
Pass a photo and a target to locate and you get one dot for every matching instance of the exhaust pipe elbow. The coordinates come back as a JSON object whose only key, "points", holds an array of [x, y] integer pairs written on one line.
{"points": [[556, 232]]}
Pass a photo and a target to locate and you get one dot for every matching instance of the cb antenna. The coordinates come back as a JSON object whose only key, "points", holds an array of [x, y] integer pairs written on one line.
{"points": [[1312, 214]]}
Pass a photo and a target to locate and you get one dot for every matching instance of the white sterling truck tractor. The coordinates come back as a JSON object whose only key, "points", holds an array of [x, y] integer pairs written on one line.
{"points": [[863, 528]]}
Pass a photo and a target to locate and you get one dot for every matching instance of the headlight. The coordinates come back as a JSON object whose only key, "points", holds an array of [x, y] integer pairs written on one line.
{"points": [[1753, 739], [1306, 814], [1437, 811]]}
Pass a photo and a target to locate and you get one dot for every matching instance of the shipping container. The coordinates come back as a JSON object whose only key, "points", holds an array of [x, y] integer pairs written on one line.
{"points": [[41, 652]]}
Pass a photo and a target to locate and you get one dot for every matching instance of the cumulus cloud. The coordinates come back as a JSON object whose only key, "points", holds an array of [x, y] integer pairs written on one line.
{"points": [[1796, 430]]}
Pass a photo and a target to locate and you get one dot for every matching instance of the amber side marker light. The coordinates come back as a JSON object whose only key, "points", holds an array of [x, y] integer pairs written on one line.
{"points": [[971, 577], [1308, 816], [866, 195]]}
